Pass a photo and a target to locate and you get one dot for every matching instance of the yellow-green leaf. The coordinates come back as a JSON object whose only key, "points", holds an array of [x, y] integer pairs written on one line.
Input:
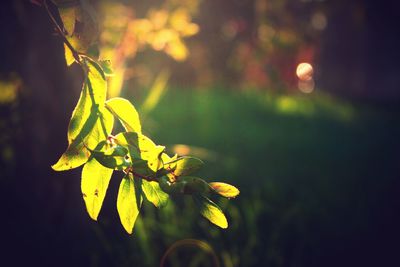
{"points": [[129, 201], [141, 147], [184, 165], [67, 14], [211, 211], [193, 185], [91, 100], [107, 68], [77, 152], [225, 190], [111, 155], [168, 160], [154, 194], [94, 184], [69, 57], [126, 113], [90, 122]]}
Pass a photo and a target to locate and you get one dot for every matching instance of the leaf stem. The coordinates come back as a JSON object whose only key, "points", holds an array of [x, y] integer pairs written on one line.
{"points": [[147, 178], [75, 53]]}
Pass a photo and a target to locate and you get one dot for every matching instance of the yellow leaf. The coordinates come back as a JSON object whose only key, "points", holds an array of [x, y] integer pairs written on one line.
{"points": [[69, 57], [154, 194], [68, 16], [90, 121], [126, 113], [225, 190], [129, 201], [94, 184], [211, 211]]}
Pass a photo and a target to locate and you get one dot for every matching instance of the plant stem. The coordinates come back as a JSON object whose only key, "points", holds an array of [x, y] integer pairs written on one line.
{"points": [[147, 178], [75, 54]]}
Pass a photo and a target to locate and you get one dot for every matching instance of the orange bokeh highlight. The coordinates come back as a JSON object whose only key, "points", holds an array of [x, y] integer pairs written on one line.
{"points": [[304, 71]]}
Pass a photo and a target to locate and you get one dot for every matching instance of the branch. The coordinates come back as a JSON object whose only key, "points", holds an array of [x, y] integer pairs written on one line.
{"points": [[75, 54], [147, 178]]}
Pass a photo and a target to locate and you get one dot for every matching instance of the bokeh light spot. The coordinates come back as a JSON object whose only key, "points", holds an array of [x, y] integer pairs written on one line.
{"points": [[319, 21], [304, 71], [306, 86]]}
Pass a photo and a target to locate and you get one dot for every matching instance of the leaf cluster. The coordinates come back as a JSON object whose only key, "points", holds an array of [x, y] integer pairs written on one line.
{"points": [[149, 173]]}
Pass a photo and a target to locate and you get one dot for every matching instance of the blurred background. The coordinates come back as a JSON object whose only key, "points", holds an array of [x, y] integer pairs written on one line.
{"points": [[314, 148]]}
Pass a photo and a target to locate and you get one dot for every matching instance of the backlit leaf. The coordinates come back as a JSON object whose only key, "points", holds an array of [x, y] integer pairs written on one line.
{"points": [[211, 211], [126, 113], [129, 201], [225, 190], [193, 185], [90, 122], [67, 14], [94, 184], [141, 147], [69, 57], [111, 156], [106, 66], [77, 152], [91, 100], [184, 165], [154, 194]]}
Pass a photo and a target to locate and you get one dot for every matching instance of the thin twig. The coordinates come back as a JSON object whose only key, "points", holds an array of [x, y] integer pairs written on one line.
{"points": [[75, 54], [147, 178]]}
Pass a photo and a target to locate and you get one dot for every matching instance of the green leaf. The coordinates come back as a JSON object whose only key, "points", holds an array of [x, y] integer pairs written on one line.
{"points": [[143, 148], [193, 185], [126, 113], [154, 194], [211, 211], [184, 185], [67, 14], [130, 140], [91, 100], [184, 165], [225, 190], [84, 37], [94, 184], [111, 156], [141, 167], [129, 201], [107, 68], [90, 122], [77, 152]]}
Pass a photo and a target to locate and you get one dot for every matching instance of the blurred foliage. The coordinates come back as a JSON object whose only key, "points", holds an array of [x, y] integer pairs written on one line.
{"points": [[124, 34], [266, 47], [258, 48], [9, 88], [308, 159]]}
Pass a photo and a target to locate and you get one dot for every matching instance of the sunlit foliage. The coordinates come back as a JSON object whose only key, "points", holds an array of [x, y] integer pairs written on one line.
{"points": [[149, 172]]}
